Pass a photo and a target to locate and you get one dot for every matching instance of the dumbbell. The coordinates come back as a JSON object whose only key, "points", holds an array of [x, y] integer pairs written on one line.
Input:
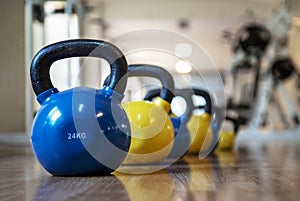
{"points": [[152, 129], [80, 131]]}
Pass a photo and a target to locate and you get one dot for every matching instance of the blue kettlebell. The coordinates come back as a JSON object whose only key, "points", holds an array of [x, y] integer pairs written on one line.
{"points": [[182, 138], [80, 131]]}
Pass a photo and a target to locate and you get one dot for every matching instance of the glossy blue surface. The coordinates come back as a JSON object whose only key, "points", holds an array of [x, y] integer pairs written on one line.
{"points": [[182, 138], [80, 131]]}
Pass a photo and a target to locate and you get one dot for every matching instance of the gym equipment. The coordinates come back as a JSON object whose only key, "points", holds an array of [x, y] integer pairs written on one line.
{"points": [[152, 129], [181, 133], [198, 125], [227, 137], [280, 68], [250, 105], [251, 38], [249, 47], [80, 131]]}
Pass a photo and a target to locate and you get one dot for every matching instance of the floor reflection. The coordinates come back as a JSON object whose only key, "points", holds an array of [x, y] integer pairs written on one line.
{"points": [[81, 188], [146, 186]]}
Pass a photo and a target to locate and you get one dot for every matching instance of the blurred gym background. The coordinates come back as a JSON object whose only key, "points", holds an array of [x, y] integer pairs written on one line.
{"points": [[29, 25]]}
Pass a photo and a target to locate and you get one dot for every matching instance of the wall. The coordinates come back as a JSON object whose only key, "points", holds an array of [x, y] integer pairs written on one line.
{"points": [[12, 70]]}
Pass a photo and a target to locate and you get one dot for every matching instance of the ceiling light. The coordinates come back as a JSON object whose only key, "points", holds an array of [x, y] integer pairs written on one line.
{"points": [[183, 67]]}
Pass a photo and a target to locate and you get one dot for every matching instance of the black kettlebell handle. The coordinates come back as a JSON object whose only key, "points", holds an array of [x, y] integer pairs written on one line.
{"points": [[206, 96], [189, 103], [208, 107], [183, 93], [236, 124], [152, 94], [42, 61], [140, 70]]}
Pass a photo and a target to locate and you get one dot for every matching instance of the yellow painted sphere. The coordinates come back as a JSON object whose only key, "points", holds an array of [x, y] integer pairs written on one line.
{"points": [[198, 127], [152, 132], [226, 140]]}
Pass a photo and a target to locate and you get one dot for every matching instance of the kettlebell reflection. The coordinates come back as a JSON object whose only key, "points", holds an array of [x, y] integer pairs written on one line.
{"points": [[226, 158], [148, 187], [81, 188], [187, 179], [194, 178], [200, 173]]}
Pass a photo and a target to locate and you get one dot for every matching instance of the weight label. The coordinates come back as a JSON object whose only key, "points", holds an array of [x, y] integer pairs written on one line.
{"points": [[76, 136]]}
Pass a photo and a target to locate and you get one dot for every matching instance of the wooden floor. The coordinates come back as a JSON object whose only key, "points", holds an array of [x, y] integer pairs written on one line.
{"points": [[267, 170]]}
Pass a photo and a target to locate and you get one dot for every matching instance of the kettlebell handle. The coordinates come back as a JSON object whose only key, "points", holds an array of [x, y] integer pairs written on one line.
{"points": [[235, 123], [140, 70], [189, 103], [183, 93], [208, 107], [206, 96], [152, 94], [41, 63]]}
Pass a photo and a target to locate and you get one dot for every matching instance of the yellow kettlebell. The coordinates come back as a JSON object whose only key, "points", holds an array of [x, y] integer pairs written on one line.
{"points": [[152, 132], [182, 137], [199, 125], [227, 137]]}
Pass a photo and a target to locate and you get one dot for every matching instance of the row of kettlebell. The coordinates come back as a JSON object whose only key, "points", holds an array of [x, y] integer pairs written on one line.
{"points": [[84, 131], [198, 126]]}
